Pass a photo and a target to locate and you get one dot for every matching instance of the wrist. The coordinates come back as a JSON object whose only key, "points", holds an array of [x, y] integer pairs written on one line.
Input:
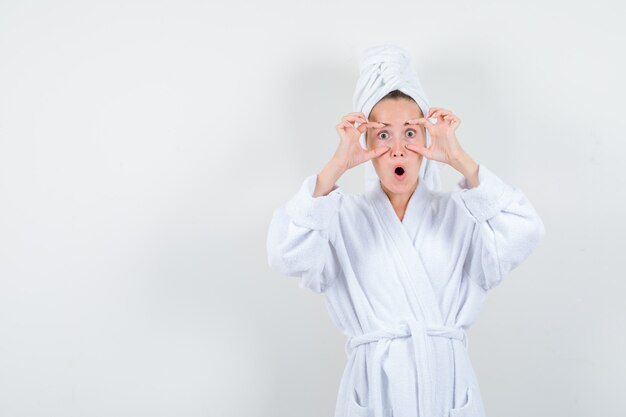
{"points": [[463, 163], [468, 168], [327, 178], [335, 168]]}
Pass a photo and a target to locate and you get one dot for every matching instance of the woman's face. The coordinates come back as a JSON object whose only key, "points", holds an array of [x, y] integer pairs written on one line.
{"points": [[394, 113]]}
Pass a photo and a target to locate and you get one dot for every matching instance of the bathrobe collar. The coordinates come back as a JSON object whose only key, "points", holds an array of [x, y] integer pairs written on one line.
{"points": [[415, 209], [403, 234]]}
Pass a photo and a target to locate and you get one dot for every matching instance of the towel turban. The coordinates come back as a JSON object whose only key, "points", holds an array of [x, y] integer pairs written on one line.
{"points": [[385, 68]]}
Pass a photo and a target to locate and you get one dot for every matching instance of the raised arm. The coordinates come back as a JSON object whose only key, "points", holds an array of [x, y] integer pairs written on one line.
{"points": [[506, 229], [300, 235], [506, 226]]}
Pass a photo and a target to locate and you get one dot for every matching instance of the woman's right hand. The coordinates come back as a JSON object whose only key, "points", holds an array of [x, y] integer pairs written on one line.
{"points": [[350, 153]]}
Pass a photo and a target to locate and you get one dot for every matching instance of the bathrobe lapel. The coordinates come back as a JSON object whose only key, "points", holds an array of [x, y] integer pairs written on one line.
{"points": [[421, 294], [403, 235]]}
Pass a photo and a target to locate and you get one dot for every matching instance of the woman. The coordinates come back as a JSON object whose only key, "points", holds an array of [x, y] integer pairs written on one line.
{"points": [[404, 267]]}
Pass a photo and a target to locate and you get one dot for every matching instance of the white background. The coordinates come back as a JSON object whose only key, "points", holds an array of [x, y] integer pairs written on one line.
{"points": [[144, 146]]}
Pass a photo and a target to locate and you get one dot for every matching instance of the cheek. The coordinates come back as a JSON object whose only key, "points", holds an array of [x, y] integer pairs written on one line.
{"points": [[417, 141]]}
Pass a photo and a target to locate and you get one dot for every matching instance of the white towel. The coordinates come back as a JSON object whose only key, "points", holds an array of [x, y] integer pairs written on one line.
{"points": [[385, 68]]}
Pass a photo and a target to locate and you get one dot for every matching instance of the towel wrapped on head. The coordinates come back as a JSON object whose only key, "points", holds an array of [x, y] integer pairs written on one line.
{"points": [[383, 69]]}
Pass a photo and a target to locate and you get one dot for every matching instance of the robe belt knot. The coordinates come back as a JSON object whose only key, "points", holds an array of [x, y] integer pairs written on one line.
{"points": [[418, 332], [404, 330]]}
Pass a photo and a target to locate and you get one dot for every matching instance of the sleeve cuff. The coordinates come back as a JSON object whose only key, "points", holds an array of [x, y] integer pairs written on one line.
{"points": [[488, 198], [313, 212]]}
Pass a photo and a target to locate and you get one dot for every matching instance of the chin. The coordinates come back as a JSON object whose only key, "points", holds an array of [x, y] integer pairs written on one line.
{"points": [[400, 187]]}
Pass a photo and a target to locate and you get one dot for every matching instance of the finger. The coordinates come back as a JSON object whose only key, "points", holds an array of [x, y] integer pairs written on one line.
{"points": [[354, 122], [354, 117], [418, 148], [438, 111], [453, 119], [449, 115], [421, 121], [376, 152], [369, 125], [347, 125], [356, 114], [431, 111], [341, 127]]}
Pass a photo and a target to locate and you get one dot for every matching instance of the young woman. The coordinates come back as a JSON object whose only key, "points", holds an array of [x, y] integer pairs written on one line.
{"points": [[404, 269]]}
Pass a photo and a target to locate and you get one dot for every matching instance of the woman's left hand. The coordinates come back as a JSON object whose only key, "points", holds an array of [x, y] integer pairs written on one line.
{"points": [[444, 146]]}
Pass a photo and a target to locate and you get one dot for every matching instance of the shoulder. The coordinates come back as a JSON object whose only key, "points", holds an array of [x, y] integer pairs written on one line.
{"points": [[357, 215], [446, 209], [355, 206]]}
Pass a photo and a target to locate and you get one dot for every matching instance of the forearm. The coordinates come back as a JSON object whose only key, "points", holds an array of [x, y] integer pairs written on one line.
{"points": [[327, 178], [468, 167]]}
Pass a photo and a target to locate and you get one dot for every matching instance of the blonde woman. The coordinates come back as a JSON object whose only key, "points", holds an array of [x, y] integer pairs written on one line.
{"points": [[404, 266]]}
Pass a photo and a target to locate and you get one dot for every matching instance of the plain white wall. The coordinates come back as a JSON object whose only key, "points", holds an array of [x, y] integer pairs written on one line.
{"points": [[144, 146]]}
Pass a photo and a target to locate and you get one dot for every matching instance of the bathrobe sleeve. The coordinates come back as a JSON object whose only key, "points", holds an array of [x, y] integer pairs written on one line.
{"points": [[300, 235], [506, 228]]}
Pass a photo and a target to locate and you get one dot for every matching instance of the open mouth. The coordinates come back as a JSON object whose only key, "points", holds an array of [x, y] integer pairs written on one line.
{"points": [[399, 172]]}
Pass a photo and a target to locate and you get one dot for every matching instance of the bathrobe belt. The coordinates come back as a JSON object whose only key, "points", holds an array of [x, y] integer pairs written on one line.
{"points": [[418, 332]]}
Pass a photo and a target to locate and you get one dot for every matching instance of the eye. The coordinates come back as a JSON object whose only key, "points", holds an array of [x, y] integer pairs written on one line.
{"points": [[384, 132], [413, 133]]}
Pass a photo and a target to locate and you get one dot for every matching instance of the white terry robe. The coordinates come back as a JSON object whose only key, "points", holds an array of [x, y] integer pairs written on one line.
{"points": [[405, 292]]}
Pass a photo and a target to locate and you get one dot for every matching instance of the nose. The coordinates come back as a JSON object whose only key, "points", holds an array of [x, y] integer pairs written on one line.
{"points": [[398, 149]]}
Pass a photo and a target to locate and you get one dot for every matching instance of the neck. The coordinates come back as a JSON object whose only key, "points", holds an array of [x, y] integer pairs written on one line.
{"points": [[399, 201]]}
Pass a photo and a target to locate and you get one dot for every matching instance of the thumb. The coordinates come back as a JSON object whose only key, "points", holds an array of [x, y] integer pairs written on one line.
{"points": [[419, 148], [376, 152]]}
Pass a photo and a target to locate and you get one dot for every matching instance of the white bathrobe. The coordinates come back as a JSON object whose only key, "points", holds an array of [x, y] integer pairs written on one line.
{"points": [[405, 292]]}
